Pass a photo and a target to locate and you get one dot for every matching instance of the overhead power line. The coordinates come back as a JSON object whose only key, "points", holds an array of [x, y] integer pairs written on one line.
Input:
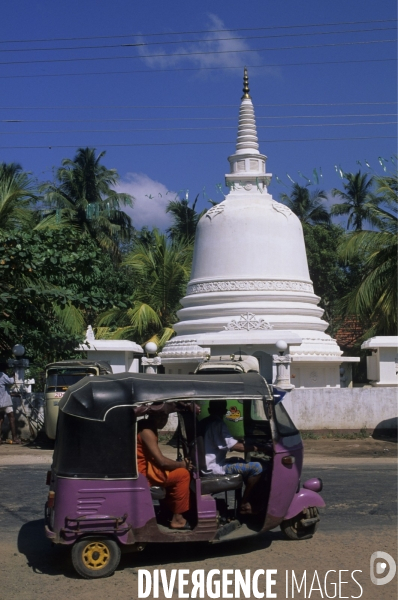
{"points": [[302, 64], [231, 142], [205, 106], [129, 35], [192, 118], [199, 41], [149, 129], [189, 54]]}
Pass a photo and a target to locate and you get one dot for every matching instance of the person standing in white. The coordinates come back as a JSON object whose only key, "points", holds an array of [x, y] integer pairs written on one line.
{"points": [[6, 407]]}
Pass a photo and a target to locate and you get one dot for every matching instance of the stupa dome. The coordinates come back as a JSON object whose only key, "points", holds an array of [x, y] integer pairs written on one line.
{"points": [[250, 285]]}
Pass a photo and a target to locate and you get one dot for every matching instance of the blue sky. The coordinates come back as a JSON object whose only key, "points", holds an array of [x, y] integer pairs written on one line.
{"points": [[322, 78]]}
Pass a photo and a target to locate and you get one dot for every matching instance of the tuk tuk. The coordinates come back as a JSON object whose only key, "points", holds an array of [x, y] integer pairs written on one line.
{"points": [[61, 375], [99, 503], [231, 363]]}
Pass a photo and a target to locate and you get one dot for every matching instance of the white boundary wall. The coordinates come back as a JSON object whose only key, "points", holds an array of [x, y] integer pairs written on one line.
{"points": [[344, 408]]}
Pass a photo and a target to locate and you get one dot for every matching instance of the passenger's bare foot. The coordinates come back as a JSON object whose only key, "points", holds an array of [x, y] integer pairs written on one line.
{"points": [[178, 522], [245, 508]]}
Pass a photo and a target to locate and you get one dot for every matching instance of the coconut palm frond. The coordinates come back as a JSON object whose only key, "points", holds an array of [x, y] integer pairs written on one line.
{"points": [[374, 300], [122, 333], [143, 316], [358, 200], [112, 317], [84, 194], [70, 317], [306, 205], [161, 268], [166, 335], [56, 221]]}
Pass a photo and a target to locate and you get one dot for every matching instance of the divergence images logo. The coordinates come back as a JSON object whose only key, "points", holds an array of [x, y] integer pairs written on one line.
{"points": [[378, 566]]}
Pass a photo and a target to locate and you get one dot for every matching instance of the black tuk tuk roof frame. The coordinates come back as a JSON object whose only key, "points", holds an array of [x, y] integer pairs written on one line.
{"points": [[92, 398]]}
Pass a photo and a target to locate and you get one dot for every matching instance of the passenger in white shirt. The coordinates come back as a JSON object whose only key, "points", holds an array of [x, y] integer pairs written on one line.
{"points": [[218, 441]]}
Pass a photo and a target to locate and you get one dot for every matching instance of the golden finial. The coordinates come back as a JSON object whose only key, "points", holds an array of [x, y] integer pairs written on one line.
{"points": [[245, 85]]}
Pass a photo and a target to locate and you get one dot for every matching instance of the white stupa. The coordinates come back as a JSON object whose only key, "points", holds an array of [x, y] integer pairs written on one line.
{"points": [[250, 285]]}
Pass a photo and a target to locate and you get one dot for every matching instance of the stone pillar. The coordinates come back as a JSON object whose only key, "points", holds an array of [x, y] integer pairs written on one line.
{"points": [[282, 363], [151, 364]]}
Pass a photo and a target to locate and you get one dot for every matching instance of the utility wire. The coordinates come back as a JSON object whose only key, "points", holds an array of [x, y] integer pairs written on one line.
{"points": [[205, 106], [323, 63], [108, 37], [192, 128], [192, 118], [189, 54], [231, 142], [206, 41]]}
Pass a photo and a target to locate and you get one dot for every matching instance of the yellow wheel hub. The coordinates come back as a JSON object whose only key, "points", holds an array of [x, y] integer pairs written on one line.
{"points": [[96, 555]]}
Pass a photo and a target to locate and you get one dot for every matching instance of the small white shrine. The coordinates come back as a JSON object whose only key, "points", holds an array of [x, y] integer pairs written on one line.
{"points": [[122, 355], [250, 286], [382, 363]]}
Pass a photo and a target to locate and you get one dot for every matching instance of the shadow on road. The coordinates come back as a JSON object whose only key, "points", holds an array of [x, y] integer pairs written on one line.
{"points": [[42, 557], [162, 555], [46, 559]]}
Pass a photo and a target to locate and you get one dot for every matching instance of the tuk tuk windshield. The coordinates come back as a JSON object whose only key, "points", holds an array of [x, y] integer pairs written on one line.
{"points": [[284, 423], [61, 379]]}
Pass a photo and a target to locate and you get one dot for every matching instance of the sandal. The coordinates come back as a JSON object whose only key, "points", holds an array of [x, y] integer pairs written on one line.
{"points": [[13, 442]]}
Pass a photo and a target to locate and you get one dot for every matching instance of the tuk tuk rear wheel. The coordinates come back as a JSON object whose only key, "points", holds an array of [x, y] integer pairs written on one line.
{"points": [[294, 530], [95, 557]]}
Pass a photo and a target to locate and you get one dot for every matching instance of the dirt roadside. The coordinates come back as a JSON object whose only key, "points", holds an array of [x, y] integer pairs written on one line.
{"points": [[324, 450]]}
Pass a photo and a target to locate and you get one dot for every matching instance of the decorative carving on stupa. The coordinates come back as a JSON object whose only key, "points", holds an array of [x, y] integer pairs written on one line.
{"points": [[249, 322]]}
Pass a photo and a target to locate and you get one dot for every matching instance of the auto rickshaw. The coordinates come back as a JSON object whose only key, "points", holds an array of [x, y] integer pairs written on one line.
{"points": [[61, 375], [98, 502]]}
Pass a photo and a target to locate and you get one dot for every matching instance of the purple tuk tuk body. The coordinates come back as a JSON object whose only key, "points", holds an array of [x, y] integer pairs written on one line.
{"points": [[97, 494], [286, 499]]}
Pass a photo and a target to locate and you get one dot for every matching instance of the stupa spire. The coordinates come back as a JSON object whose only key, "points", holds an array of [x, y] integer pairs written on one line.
{"points": [[247, 131], [245, 84], [247, 164]]}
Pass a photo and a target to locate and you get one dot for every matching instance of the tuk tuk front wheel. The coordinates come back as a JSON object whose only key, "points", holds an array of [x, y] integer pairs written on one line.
{"points": [[95, 557], [295, 530]]}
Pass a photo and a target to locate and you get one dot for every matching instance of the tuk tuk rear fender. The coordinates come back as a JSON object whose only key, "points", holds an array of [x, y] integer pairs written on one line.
{"points": [[302, 500], [117, 507]]}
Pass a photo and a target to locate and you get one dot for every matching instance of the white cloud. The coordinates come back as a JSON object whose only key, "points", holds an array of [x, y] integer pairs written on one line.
{"points": [[151, 199], [224, 52]]}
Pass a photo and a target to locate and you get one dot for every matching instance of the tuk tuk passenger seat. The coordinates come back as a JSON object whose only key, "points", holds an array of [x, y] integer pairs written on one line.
{"points": [[210, 483], [157, 492]]}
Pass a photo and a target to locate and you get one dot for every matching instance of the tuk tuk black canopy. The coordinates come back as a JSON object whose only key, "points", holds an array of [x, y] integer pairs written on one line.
{"points": [[91, 398], [96, 423]]}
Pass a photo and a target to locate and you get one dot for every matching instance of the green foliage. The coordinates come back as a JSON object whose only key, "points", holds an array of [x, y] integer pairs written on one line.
{"points": [[17, 192], [185, 220], [161, 271], [374, 298], [52, 284], [331, 278], [84, 199], [358, 200], [306, 205]]}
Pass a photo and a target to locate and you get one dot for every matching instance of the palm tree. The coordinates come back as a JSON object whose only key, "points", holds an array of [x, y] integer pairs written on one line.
{"points": [[17, 192], [84, 199], [374, 300], [358, 200], [306, 205], [162, 271], [185, 219]]}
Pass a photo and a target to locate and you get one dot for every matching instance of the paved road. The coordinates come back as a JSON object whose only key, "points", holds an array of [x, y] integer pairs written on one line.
{"points": [[360, 518]]}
